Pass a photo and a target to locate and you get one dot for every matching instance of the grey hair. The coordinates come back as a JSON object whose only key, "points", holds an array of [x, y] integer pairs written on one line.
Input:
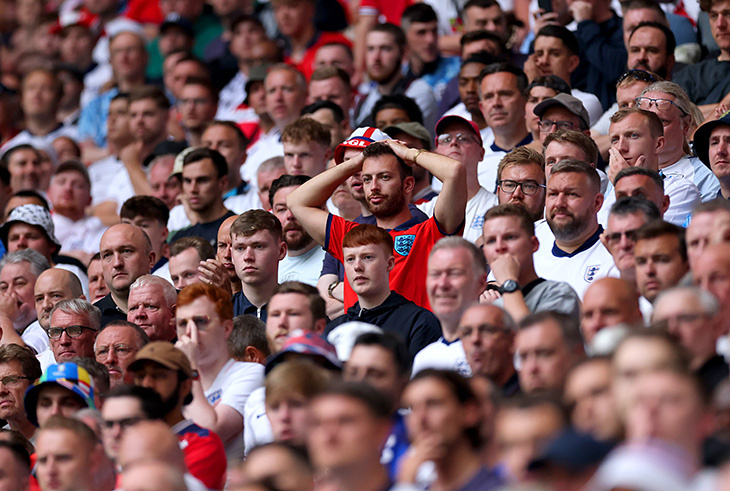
{"points": [[271, 164], [301, 81], [38, 263], [454, 242], [680, 95], [708, 301], [80, 307], [168, 291]]}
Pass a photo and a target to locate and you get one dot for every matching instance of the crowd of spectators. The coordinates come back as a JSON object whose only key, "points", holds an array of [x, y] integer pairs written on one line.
{"points": [[362, 245]]}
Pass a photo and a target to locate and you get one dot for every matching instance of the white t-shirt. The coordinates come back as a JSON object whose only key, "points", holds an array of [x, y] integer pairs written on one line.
{"points": [[692, 169], [231, 96], [590, 262], [41, 142], [81, 235], [305, 268], [256, 426], [232, 386], [475, 210], [79, 274], [267, 146], [35, 337], [442, 355], [46, 359], [591, 103], [110, 182]]}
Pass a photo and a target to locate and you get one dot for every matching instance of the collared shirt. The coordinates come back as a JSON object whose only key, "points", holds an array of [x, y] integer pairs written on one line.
{"points": [[242, 305]]}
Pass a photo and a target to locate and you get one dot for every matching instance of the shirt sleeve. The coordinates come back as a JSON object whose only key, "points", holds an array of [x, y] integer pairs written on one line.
{"points": [[239, 385]]}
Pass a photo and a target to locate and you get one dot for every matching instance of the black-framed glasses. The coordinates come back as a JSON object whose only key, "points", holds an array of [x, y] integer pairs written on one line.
{"points": [[636, 74], [124, 423], [615, 237], [528, 187], [72, 331], [546, 125], [13, 381], [460, 138], [645, 103]]}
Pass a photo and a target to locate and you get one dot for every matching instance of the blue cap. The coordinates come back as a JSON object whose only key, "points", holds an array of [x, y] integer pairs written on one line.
{"points": [[69, 376]]}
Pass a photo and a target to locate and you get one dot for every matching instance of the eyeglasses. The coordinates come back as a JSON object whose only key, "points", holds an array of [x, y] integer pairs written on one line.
{"points": [[13, 381], [615, 237], [72, 331], [546, 125], [121, 350], [124, 423], [640, 75], [460, 138], [528, 187], [645, 103], [202, 322]]}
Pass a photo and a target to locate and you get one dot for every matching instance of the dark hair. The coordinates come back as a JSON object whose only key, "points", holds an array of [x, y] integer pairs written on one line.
{"points": [[577, 138], [481, 35], [639, 171], [670, 42], [461, 389], [379, 149], [717, 204], [660, 228], [145, 207], [392, 343], [376, 402], [481, 57], [19, 452], [629, 205], [399, 37], [551, 82], [653, 123], [120, 96], [330, 71], [579, 167], [201, 246], [5, 159], [149, 399], [241, 18], [4, 176], [568, 38], [285, 181], [252, 221], [206, 84], [505, 67], [535, 400], [29, 193], [242, 140], [643, 5], [568, 325], [482, 4], [316, 302], [398, 101], [339, 115], [519, 213], [219, 162], [247, 331], [418, 12], [150, 92], [191, 58]]}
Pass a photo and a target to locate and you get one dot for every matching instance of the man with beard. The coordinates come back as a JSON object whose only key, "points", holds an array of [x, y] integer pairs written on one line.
{"points": [[388, 186], [651, 47], [166, 370], [303, 261], [577, 256], [385, 47]]}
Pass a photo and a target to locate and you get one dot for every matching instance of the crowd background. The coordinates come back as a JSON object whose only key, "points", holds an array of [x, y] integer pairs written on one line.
{"points": [[295, 245]]}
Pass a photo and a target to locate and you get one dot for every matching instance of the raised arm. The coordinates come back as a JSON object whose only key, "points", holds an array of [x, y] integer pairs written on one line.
{"points": [[450, 205], [307, 200]]}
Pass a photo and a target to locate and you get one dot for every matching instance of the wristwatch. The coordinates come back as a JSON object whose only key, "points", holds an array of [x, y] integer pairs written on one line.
{"points": [[509, 286]]}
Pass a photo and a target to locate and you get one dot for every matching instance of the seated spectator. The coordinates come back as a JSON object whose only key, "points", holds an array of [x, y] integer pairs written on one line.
{"points": [[468, 87], [116, 346], [52, 286], [151, 304], [609, 302], [62, 390], [540, 89], [331, 116], [70, 195], [186, 254], [19, 272], [164, 184], [393, 109], [247, 341], [332, 84], [306, 147], [711, 146], [368, 258], [75, 324], [23, 162], [20, 370], [151, 215], [197, 107], [521, 181], [97, 285], [224, 253], [660, 254]]}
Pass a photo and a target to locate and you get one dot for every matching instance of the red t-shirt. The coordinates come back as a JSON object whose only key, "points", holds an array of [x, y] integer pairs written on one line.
{"points": [[205, 456], [412, 245]]}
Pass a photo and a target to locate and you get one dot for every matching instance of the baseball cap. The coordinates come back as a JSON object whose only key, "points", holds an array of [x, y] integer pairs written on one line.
{"points": [[572, 451], [164, 353], [72, 18], [702, 137], [413, 128], [567, 101], [343, 337], [359, 139], [32, 215], [256, 74], [177, 168], [306, 343], [69, 376], [177, 20], [457, 119]]}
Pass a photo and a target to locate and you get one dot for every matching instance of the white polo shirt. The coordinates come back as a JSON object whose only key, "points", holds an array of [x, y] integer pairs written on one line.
{"points": [[442, 355]]}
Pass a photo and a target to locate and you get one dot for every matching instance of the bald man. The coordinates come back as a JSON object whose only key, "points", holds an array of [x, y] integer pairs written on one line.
{"points": [[223, 252], [711, 272], [609, 302], [52, 286], [126, 254]]}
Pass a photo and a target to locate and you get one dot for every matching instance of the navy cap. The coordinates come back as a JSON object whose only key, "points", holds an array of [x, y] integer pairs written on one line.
{"points": [[573, 451]]}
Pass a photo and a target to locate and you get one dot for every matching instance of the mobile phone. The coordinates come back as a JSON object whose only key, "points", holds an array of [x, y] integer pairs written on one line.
{"points": [[545, 5]]}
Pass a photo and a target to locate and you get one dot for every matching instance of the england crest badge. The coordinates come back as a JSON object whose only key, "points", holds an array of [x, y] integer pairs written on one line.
{"points": [[403, 244]]}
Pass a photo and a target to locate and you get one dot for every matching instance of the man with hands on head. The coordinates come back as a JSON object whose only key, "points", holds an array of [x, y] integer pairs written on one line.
{"points": [[386, 173]]}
